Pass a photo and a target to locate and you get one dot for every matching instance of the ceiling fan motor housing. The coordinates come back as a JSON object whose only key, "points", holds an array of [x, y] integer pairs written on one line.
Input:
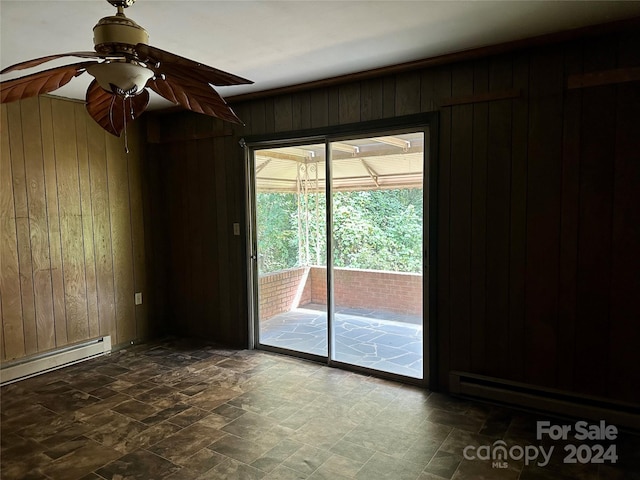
{"points": [[118, 34]]}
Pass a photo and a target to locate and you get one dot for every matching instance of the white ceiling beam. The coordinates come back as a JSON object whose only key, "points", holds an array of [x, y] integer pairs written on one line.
{"points": [[394, 141], [346, 148]]}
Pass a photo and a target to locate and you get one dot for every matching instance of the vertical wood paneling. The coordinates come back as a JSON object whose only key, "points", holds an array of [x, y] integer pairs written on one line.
{"points": [[157, 244], [101, 218], [349, 103], [282, 113], [176, 225], [238, 333], [195, 311], [498, 219], [427, 92], [319, 108], [13, 330], [71, 232], [53, 221], [543, 215], [22, 227], [207, 168], [140, 283], [442, 89], [2, 349], [479, 219], [624, 336], [460, 216], [204, 184], [569, 219], [371, 99], [407, 93], [302, 110], [597, 145], [269, 116], [333, 106], [518, 220], [181, 217], [222, 233], [120, 212], [388, 97], [87, 220], [38, 228], [257, 117]]}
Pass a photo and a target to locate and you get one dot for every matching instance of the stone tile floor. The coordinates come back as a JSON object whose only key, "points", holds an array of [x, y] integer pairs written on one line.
{"points": [[175, 410], [375, 339]]}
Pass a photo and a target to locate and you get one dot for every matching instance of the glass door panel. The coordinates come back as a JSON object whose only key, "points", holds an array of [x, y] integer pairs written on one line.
{"points": [[290, 208], [377, 252]]}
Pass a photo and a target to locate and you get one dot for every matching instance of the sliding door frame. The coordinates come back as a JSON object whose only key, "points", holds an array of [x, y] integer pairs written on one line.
{"points": [[428, 124]]}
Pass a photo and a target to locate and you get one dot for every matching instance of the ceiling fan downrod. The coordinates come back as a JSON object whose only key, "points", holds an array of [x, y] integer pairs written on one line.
{"points": [[121, 3], [118, 33]]}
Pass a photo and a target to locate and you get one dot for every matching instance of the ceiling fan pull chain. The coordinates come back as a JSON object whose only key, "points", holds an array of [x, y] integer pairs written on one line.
{"points": [[124, 119]]}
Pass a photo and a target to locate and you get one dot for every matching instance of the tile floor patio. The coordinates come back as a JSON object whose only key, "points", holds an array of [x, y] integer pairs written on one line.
{"points": [[375, 339]]}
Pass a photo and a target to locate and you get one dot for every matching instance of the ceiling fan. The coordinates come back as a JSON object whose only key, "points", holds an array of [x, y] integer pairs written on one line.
{"points": [[124, 67]]}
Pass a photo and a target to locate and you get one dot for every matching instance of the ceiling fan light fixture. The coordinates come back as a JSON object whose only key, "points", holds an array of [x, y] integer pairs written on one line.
{"points": [[125, 67], [121, 78]]}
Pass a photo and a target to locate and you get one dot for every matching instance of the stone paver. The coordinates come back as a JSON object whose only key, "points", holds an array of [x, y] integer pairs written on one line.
{"points": [[374, 339]]}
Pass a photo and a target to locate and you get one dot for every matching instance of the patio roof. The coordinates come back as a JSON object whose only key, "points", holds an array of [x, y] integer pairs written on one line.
{"points": [[361, 164]]}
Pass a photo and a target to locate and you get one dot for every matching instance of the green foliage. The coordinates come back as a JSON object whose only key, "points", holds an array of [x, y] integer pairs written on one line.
{"points": [[377, 230], [277, 231]]}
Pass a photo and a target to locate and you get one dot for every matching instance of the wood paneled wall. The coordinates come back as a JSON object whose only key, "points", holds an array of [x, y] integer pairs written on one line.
{"points": [[538, 211], [196, 193], [71, 226]]}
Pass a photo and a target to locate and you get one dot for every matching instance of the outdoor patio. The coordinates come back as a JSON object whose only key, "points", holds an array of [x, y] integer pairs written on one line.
{"points": [[376, 339]]}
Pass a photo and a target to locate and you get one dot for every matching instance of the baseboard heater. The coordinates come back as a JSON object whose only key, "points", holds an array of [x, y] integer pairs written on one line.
{"points": [[544, 399], [35, 365]]}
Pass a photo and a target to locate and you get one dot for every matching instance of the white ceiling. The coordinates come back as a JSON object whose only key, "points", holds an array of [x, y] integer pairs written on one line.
{"points": [[281, 43]]}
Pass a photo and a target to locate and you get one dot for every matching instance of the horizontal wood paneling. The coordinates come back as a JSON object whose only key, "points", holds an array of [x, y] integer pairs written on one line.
{"points": [[537, 210], [71, 225]]}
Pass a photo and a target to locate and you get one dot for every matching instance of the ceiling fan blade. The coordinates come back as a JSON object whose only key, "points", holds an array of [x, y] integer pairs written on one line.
{"points": [[112, 112], [38, 61], [195, 96], [41, 82], [155, 56]]}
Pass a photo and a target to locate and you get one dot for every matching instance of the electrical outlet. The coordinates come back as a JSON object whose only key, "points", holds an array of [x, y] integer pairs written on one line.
{"points": [[236, 229], [138, 298]]}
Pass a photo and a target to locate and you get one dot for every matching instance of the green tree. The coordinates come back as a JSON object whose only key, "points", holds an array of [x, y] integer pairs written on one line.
{"points": [[372, 229], [277, 231]]}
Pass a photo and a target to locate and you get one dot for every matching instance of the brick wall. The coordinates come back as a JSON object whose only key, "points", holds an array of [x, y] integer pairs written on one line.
{"points": [[391, 291], [279, 291]]}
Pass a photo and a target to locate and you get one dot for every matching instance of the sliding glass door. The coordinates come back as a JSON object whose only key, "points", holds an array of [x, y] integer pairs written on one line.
{"points": [[338, 264], [377, 245], [290, 223]]}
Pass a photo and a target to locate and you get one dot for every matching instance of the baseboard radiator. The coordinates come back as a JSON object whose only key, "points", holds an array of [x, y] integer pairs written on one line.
{"points": [[35, 365], [544, 399]]}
